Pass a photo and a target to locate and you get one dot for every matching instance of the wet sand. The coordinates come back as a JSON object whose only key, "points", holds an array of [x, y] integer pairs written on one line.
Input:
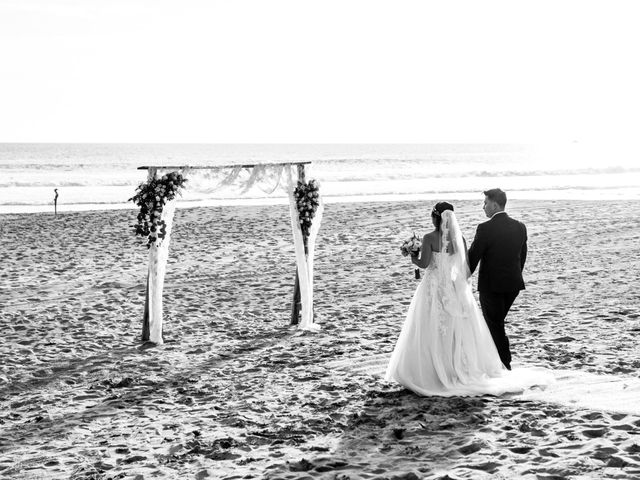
{"points": [[237, 393]]}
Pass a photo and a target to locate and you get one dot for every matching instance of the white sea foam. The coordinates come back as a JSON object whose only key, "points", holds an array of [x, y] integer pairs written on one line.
{"points": [[98, 176]]}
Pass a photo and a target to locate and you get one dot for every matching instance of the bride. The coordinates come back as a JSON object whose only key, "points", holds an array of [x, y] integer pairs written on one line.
{"points": [[445, 347]]}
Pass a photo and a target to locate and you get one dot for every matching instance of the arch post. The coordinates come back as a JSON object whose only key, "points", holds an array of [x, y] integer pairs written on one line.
{"points": [[296, 306], [151, 173]]}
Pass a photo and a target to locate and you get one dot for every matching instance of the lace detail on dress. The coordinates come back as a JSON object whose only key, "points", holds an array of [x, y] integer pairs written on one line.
{"points": [[441, 299], [433, 264], [444, 317], [465, 363]]}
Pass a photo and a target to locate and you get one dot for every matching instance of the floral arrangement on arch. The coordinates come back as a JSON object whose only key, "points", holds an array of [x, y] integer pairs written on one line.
{"points": [[151, 197], [307, 202]]}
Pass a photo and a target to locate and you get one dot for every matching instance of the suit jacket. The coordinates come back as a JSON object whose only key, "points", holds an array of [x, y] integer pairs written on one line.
{"points": [[500, 246]]}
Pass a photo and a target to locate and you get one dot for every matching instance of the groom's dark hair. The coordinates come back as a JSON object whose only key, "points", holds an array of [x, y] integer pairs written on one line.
{"points": [[497, 196]]}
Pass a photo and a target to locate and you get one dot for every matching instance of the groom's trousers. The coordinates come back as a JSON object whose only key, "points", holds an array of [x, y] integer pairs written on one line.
{"points": [[495, 307]]}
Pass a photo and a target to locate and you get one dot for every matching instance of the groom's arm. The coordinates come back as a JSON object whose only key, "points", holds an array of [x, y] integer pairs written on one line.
{"points": [[523, 251], [477, 248], [466, 250]]}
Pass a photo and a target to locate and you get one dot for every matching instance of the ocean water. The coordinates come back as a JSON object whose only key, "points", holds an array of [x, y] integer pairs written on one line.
{"points": [[104, 176]]}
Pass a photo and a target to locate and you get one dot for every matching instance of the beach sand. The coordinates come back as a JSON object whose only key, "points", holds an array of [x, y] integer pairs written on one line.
{"points": [[237, 393]]}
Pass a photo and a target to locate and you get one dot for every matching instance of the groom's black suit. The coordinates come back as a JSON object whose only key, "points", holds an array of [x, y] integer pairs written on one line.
{"points": [[500, 246]]}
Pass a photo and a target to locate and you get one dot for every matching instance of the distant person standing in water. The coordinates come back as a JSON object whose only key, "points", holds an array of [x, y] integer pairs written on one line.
{"points": [[55, 202]]}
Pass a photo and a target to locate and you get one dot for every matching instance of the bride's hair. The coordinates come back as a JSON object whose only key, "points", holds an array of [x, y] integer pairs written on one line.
{"points": [[436, 213]]}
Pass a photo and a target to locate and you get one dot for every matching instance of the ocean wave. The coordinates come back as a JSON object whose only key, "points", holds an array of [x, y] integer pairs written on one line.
{"points": [[36, 203], [629, 192], [66, 183], [68, 167], [394, 173], [194, 197], [585, 188], [106, 176]]}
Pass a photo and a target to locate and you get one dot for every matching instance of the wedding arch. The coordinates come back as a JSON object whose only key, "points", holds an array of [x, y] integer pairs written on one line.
{"points": [[157, 201]]}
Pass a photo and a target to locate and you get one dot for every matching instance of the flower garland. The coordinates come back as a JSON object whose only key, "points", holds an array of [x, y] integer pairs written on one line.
{"points": [[151, 197], [307, 202]]}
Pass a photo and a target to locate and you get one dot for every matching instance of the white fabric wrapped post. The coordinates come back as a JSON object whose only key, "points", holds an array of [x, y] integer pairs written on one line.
{"points": [[158, 256], [304, 262]]}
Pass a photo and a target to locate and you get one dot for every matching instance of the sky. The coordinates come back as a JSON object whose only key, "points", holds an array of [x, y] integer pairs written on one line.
{"points": [[347, 71]]}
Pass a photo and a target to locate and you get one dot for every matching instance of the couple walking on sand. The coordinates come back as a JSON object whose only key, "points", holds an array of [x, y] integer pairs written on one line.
{"points": [[448, 346]]}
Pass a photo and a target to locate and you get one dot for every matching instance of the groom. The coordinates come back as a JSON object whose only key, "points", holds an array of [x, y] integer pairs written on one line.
{"points": [[500, 246]]}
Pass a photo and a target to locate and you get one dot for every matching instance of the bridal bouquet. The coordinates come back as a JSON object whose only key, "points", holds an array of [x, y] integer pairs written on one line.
{"points": [[307, 201], [411, 246], [151, 197]]}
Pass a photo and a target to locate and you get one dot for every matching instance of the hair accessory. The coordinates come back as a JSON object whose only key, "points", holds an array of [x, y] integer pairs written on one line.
{"points": [[435, 212]]}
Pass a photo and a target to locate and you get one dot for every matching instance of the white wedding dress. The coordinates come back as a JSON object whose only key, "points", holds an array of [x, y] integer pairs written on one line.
{"points": [[445, 347]]}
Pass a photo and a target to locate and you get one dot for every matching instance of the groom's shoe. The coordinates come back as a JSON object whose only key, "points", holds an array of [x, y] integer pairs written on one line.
{"points": [[508, 367]]}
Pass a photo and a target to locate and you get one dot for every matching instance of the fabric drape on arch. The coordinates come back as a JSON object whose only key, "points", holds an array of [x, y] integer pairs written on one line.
{"points": [[267, 177], [304, 260], [158, 256]]}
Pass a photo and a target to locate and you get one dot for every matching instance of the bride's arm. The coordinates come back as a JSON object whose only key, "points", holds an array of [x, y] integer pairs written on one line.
{"points": [[425, 254]]}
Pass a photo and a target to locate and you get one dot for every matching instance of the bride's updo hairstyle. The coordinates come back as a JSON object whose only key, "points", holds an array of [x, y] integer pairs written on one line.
{"points": [[436, 213]]}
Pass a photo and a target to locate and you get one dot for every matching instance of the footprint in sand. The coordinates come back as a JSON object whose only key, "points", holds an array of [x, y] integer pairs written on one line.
{"points": [[472, 447], [521, 449], [596, 432]]}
